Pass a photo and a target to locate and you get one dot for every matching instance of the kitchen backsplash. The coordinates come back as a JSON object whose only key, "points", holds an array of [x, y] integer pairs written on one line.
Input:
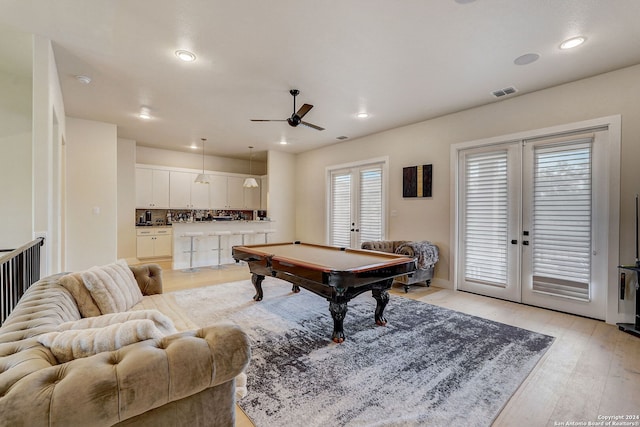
{"points": [[161, 217]]}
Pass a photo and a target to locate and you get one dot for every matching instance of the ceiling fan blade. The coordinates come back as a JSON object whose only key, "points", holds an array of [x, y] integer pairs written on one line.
{"points": [[304, 110], [268, 120], [311, 125]]}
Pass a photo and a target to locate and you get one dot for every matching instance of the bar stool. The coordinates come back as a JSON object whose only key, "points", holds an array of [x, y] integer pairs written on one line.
{"points": [[219, 234], [243, 233], [266, 234], [191, 235]]}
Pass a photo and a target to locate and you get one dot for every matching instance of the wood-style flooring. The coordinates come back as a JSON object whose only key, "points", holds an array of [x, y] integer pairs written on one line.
{"points": [[591, 371]]}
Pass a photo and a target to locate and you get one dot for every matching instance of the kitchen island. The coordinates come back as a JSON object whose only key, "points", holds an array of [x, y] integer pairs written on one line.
{"points": [[205, 247]]}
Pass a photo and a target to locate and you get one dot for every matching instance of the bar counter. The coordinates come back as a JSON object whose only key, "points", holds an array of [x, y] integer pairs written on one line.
{"points": [[205, 246]]}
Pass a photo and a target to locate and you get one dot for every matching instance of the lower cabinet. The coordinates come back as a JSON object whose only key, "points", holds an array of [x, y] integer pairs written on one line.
{"points": [[154, 242]]}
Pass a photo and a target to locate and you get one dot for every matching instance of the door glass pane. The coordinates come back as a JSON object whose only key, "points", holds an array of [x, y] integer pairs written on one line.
{"points": [[340, 210], [562, 220], [486, 205], [370, 221]]}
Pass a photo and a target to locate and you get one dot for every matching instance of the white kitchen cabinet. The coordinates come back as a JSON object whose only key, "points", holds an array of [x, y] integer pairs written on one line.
{"points": [[180, 190], [227, 192], [218, 192], [152, 188], [199, 194], [186, 193], [153, 242], [235, 192]]}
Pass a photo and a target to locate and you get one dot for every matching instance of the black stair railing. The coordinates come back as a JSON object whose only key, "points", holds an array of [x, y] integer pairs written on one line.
{"points": [[19, 269]]}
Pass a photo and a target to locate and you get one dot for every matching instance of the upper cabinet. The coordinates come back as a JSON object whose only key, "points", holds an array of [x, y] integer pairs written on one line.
{"points": [[152, 188], [186, 193], [175, 189], [227, 192]]}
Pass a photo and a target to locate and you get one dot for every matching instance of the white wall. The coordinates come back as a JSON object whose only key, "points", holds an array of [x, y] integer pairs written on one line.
{"points": [[281, 197], [92, 199], [179, 159], [429, 142], [15, 190], [16, 81], [47, 151], [126, 198]]}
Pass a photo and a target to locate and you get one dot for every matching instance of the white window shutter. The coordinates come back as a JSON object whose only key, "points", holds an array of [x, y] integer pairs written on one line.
{"points": [[562, 220], [486, 204], [340, 210], [370, 222]]}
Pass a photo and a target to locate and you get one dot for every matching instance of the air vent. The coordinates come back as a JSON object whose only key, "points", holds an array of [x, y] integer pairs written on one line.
{"points": [[342, 137], [503, 92]]}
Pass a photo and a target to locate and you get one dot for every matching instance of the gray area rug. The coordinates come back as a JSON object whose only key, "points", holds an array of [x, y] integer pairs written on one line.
{"points": [[429, 366]]}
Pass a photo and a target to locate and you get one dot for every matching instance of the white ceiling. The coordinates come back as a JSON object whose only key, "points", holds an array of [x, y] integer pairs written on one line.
{"points": [[402, 61]]}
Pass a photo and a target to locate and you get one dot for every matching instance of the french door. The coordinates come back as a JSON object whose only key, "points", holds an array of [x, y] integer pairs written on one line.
{"points": [[356, 208], [531, 214]]}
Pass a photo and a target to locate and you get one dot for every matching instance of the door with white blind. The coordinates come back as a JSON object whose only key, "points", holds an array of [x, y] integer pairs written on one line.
{"points": [[565, 217], [489, 220], [529, 215], [356, 208]]}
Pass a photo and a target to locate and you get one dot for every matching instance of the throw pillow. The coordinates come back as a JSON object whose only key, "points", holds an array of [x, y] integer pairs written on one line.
{"points": [[112, 287], [162, 322], [74, 344], [74, 284]]}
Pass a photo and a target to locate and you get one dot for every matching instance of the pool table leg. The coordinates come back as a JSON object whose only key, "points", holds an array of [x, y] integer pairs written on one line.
{"points": [[257, 279], [338, 311], [382, 298]]}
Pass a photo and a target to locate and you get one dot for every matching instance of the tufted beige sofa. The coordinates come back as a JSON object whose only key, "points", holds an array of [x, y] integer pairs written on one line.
{"points": [[419, 275], [186, 379]]}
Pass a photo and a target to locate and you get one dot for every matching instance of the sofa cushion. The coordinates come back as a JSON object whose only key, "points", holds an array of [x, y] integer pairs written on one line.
{"points": [[74, 284], [162, 322], [113, 287], [77, 343]]}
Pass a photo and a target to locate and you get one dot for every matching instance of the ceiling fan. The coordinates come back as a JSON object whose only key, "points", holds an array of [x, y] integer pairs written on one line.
{"points": [[296, 117]]}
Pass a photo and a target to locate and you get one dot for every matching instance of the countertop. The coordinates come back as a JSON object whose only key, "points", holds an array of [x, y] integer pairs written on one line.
{"points": [[235, 221]]}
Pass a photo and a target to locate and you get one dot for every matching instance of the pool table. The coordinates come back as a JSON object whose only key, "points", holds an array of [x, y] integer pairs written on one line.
{"points": [[337, 274]]}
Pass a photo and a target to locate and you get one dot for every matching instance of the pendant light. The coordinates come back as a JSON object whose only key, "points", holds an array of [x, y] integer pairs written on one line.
{"points": [[202, 178], [250, 182]]}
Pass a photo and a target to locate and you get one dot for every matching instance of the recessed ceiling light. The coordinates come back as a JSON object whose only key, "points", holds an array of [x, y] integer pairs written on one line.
{"points": [[193, 146], [526, 59], [185, 55], [283, 142], [83, 79], [145, 113], [572, 42], [363, 115]]}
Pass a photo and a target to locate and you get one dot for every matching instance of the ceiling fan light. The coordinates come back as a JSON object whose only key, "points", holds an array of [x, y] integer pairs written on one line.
{"points": [[250, 183]]}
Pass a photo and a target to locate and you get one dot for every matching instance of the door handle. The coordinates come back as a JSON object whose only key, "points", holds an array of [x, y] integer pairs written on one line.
{"points": [[514, 242]]}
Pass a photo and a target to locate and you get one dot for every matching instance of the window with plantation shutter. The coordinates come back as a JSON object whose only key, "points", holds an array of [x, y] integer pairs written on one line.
{"points": [[486, 217], [340, 209], [562, 192], [370, 204], [356, 204]]}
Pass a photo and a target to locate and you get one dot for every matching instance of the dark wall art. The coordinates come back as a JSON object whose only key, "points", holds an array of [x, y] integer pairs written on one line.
{"points": [[417, 181]]}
